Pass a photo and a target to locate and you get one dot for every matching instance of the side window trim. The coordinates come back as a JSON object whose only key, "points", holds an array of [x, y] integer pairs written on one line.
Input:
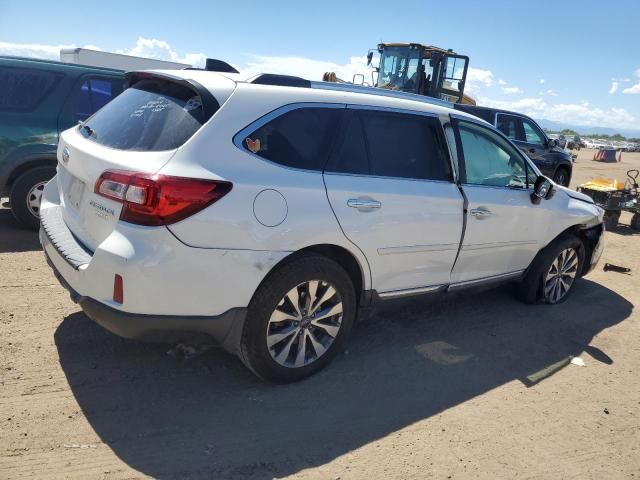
{"points": [[455, 120], [238, 138]]}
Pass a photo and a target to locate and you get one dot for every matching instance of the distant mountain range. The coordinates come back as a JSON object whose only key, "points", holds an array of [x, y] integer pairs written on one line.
{"points": [[582, 130]]}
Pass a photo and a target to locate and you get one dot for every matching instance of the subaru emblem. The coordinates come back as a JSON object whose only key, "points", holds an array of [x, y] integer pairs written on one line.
{"points": [[65, 155]]}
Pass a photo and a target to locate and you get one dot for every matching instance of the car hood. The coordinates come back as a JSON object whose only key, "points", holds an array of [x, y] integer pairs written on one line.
{"points": [[574, 194], [561, 151]]}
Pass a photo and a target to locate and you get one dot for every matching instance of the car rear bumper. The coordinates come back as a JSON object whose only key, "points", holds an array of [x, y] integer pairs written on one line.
{"points": [[224, 329], [170, 290]]}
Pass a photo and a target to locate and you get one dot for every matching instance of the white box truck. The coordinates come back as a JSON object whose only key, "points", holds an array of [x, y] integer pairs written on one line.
{"points": [[96, 58]]}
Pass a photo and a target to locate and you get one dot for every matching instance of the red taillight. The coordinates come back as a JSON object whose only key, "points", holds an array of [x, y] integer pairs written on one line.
{"points": [[154, 200]]}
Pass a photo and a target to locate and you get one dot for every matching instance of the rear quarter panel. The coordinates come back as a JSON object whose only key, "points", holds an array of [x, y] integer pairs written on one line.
{"points": [[231, 223]]}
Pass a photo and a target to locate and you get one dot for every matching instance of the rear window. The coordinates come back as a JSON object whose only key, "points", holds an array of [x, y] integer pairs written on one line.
{"points": [[22, 89], [152, 115]]}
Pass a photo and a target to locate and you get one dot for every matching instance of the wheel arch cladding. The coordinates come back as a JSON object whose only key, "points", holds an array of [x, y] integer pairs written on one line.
{"points": [[340, 255], [589, 236]]}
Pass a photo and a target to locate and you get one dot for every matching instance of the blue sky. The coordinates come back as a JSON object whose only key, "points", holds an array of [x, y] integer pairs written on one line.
{"points": [[567, 61]]}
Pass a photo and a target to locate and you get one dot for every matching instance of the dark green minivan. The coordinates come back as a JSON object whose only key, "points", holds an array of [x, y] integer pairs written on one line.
{"points": [[38, 100]]}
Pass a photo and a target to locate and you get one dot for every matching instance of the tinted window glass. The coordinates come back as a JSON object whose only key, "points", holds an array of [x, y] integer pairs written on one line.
{"points": [[300, 138], [23, 88], [508, 125], [489, 159], [405, 146], [153, 115], [94, 94], [350, 156], [532, 133]]}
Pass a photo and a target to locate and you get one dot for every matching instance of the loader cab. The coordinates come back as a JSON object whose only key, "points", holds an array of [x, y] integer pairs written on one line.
{"points": [[422, 69]]}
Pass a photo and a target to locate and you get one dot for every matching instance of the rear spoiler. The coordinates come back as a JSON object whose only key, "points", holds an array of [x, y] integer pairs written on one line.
{"points": [[209, 103]]}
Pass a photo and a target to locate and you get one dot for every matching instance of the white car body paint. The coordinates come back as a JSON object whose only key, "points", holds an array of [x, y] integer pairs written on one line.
{"points": [[215, 260]]}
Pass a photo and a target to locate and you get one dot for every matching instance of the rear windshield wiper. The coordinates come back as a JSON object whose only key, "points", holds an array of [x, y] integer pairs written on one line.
{"points": [[87, 129]]}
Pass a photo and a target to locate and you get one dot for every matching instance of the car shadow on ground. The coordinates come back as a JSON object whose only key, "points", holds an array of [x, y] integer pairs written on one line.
{"points": [[13, 237], [208, 417]]}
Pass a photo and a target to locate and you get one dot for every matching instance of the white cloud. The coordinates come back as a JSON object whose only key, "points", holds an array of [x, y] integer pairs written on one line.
{"points": [[501, 82], [541, 81], [144, 47], [478, 78], [574, 113], [161, 50], [635, 89], [511, 90], [306, 67], [614, 87], [33, 50], [552, 93]]}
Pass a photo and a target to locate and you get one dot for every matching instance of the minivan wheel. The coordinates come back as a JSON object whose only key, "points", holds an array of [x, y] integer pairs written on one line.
{"points": [[562, 177], [26, 194], [552, 274], [298, 320]]}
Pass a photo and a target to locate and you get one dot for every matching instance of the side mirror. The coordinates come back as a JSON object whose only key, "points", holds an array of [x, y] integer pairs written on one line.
{"points": [[358, 79], [542, 190], [374, 78], [369, 57], [553, 143]]}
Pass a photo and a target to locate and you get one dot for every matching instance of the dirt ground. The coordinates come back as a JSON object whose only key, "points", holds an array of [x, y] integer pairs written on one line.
{"points": [[476, 386]]}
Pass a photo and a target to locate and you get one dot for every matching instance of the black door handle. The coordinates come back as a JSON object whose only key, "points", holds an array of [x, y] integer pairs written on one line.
{"points": [[532, 150]]}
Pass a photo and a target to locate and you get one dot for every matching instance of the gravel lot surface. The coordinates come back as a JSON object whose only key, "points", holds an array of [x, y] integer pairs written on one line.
{"points": [[475, 386]]}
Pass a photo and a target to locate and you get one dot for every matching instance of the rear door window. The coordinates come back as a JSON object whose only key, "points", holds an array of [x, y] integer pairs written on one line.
{"points": [[350, 156], [22, 89], [405, 145], [300, 138], [94, 94], [153, 115]]}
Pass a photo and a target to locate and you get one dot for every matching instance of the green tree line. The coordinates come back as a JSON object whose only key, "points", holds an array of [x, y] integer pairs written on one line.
{"points": [[616, 136]]}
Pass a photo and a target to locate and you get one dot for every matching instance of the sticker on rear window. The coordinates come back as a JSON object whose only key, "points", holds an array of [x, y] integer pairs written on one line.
{"points": [[192, 104], [253, 145]]}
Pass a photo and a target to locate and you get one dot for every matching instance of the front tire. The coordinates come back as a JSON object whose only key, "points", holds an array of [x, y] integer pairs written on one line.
{"points": [[562, 177], [635, 222], [553, 273], [298, 320], [26, 193]]}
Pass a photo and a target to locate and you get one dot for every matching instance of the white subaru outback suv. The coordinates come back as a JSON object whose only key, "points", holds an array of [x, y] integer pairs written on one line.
{"points": [[263, 213]]}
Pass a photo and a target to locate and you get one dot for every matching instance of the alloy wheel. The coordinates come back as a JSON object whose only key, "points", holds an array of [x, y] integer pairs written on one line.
{"points": [[34, 197], [560, 276], [304, 324]]}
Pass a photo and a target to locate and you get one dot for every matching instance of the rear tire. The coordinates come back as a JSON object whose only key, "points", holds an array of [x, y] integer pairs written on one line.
{"points": [[565, 252], [26, 193], [635, 222], [274, 329]]}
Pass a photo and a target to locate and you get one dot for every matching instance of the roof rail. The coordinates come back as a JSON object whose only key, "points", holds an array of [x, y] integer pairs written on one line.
{"points": [[348, 87], [280, 80]]}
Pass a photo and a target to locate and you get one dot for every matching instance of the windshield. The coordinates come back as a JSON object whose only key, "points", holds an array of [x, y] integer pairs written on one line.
{"points": [[153, 115], [399, 68]]}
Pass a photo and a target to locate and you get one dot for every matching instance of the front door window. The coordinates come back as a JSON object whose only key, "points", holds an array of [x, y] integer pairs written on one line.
{"points": [[490, 160], [532, 133]]}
